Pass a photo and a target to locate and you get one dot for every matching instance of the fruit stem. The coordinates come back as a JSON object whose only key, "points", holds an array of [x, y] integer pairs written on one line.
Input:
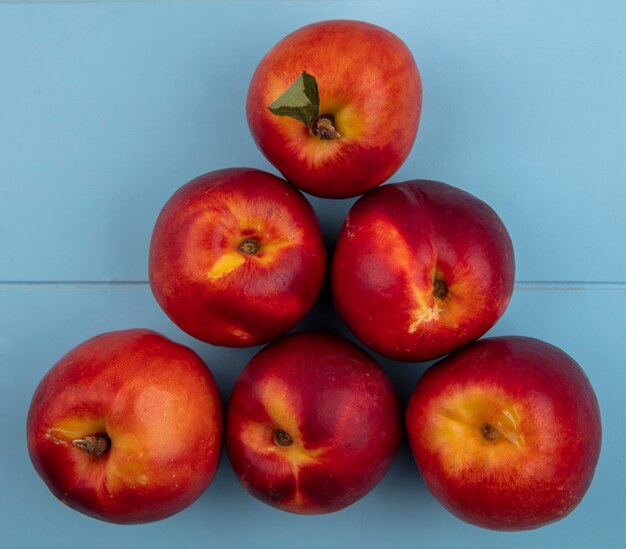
{"points": [[93, 444], [282, 439], [249, 247], [324, 128]]}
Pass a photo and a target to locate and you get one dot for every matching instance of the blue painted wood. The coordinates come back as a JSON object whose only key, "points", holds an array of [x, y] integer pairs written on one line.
{"points": [[39, 323], [105, 109]]}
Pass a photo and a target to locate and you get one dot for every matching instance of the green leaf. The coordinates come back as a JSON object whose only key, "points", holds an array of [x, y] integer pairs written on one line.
{"points": [[300, 101]]}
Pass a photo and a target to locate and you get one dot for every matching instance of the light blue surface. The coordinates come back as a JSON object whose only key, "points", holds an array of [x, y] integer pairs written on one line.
{"points": [[106, 108]]}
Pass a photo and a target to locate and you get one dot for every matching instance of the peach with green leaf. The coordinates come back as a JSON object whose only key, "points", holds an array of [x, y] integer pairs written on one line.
{"points": [[335, 106]]}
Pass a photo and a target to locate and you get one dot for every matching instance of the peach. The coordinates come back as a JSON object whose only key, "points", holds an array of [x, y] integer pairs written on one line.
{"points": [[421, 268], [313, 424], [344, 102], [237, 257], [506, 433], [126, 427]]}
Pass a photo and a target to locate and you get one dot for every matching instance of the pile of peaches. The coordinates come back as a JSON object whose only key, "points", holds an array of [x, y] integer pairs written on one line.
{"points": [[128, 426]]}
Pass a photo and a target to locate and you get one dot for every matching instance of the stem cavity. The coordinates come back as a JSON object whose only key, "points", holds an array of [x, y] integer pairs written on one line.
{"points": [[281, 438], [249, 246], [489, 432], [441, 288]]}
